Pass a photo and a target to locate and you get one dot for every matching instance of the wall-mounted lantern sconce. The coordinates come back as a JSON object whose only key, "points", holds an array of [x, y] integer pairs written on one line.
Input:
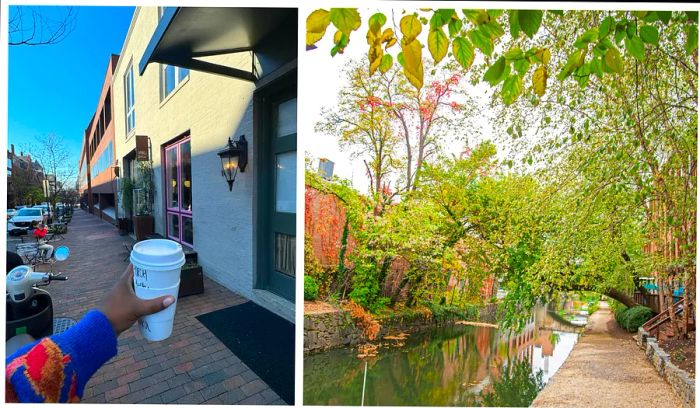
{"points": [[233, 157]]}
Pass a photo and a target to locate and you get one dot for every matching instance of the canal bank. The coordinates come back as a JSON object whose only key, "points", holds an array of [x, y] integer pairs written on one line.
{"points": [[606, 369], [327, 327]]}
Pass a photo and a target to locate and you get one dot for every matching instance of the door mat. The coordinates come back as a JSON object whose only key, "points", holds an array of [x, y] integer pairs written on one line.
{"points": [[259, 338]]}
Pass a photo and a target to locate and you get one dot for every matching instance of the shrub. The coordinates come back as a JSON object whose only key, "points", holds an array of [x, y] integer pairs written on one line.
{"points": [[634, 317], [310, 288], [619, 310], [449, 312]]}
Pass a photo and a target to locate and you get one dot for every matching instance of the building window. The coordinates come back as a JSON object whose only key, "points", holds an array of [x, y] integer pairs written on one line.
{"points": [[103, 162], [178, 191], [129, 98], [170, 77]]}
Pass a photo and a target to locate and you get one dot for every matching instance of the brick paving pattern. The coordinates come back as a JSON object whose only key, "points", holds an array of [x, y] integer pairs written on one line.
{"points": [[190, 367]]}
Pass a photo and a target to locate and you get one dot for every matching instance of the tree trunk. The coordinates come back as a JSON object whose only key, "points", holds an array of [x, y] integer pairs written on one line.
{"points": [[621, 297]]}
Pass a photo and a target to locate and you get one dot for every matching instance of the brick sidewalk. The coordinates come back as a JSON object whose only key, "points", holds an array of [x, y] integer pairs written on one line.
{"points": [[190, 367]]}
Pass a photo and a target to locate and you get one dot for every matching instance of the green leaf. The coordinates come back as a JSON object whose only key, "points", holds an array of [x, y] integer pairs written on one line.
{"points": [[693, 15], [316, 24], [530, 21], [481, 42], [346, 20], [514, 24], [463, 52], [574, 61], [512, 87], [649, 34], [514, 53], [556, 12], [491, 29], [606, 26], [495, 71], [620, 31], [438, 44], [448, 14], [410, 27], [691, 42], [589, 36], [399, 58], [413, 62], [387, 62], [495, 13], [438, 20], [454, 26], [613, 60], [476, 16], [635, 47], [539, 80], [521, 66], [651, 17], [664, 16], [597, 67], [376, 22]]}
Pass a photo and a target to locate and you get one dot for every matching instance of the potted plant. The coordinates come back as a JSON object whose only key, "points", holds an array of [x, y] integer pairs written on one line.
{"points": [[191, 276], [143, 200], [127, 198]]}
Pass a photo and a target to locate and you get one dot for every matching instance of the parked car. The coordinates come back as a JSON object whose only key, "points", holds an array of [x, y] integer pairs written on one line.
{"points": [[24, 220], [11, 213], [46, 208]]}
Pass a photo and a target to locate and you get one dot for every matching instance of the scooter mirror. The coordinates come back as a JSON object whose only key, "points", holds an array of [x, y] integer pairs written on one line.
{"points": [[61, 253]]}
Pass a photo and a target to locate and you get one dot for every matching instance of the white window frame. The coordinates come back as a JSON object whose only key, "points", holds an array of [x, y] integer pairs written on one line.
{"points": [[129, 100], [163, 78]]}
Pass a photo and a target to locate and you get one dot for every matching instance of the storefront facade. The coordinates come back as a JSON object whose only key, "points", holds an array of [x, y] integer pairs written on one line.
{"points": [[244, 236]]}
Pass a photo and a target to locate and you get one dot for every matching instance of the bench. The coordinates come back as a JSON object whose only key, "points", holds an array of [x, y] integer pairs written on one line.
{"points": [[28, 251]]}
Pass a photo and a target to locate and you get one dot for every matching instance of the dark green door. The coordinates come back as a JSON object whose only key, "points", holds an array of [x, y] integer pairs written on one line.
{"points": [[277, 162]]}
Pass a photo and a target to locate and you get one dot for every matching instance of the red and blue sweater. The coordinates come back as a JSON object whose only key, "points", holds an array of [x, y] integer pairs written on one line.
{"points": [[57, 368]]}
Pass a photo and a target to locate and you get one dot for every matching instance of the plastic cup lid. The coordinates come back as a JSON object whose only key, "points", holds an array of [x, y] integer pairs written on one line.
{"points": [[160, 253]]}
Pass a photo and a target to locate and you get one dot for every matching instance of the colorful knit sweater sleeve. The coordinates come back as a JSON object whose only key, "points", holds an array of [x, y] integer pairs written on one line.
{"points": [[57, 368]]}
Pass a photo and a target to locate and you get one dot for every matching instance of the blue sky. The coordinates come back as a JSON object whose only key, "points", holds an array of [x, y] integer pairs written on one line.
{"points": [[55, 88]]}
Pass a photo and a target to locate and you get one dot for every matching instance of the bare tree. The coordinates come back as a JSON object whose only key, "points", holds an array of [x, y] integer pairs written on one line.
{"points": [[35, 26], [59, 168]]}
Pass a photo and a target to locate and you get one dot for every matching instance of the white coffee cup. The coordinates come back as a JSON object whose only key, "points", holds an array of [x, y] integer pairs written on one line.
{"points": [[157, 263], [158, 326]]}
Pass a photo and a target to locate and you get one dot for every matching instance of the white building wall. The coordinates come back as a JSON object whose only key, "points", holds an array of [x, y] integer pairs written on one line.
{"points": [[213, 108]]}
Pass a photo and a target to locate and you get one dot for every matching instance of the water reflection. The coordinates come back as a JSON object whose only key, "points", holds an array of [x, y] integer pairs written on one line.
{"points": [[460, 365]]}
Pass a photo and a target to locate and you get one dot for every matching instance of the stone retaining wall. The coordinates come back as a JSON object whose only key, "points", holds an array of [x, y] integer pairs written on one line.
{"points": [[324, 331], [681, 382]]}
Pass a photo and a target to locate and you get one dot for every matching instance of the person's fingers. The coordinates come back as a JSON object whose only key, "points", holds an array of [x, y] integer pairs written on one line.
{"points": [[147, 307], [128, 272]]}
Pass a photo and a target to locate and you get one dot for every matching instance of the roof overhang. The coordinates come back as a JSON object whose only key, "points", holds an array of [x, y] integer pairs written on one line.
{"points": [[185, 34]]}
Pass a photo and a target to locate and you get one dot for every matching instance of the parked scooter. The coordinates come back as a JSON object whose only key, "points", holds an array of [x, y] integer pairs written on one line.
{"points": [[30, 309]]}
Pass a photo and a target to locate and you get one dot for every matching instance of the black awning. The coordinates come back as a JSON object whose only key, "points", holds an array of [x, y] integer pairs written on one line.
{"points": [[187, 33]]}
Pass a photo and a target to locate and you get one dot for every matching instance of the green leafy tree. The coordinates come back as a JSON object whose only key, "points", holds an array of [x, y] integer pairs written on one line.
{"points": [[604, 48]]}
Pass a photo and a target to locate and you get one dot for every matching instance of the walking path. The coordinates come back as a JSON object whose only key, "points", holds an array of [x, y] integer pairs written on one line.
{"points": [[190, 367], [606, 369]]}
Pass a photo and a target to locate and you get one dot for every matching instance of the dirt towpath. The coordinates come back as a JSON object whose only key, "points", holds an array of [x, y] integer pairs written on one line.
{"points": [[606, 369]]}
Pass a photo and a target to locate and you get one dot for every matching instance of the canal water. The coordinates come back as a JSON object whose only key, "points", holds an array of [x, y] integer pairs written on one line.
{"points": [[451, 366]]}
